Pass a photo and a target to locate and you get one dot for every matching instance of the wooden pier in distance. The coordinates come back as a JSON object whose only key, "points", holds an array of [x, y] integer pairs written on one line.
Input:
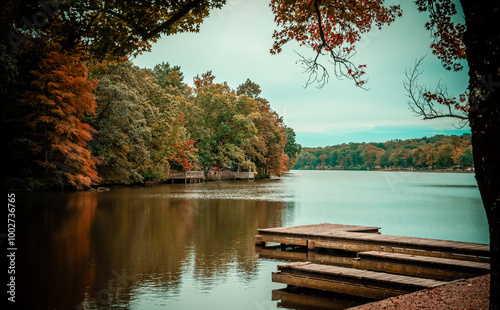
{"points": [[363, 283], [188, 176]]}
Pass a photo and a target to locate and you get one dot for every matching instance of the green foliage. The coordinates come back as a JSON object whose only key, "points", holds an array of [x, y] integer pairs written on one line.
{"points": [[235, 127], [292, 148], [170, 78], [438, 152], [249, 89], [139, 125]]}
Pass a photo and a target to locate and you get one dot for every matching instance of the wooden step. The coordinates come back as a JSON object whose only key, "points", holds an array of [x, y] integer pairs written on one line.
{"points": [[420, 266], [442, 269], [436, 262], [363, 283]]}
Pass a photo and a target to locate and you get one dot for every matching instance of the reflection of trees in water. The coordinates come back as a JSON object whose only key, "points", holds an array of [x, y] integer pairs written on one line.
{"points": [[146, 241], [55, 263], [142, 239], [224, 236]]}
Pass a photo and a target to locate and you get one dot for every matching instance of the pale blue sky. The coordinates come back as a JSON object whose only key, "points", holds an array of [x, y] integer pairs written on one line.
{"points": [[234, 43]]}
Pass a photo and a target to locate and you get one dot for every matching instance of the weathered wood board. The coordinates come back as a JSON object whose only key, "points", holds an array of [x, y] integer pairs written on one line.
{"points": [[363, 283]]}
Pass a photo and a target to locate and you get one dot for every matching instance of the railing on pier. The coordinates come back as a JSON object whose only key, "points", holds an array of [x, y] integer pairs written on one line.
{"points": [[187, 175]]}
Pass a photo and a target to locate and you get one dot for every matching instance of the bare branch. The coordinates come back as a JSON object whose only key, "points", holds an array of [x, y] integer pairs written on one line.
{"points": [[312, 68], [431, 104], [342, 65]]}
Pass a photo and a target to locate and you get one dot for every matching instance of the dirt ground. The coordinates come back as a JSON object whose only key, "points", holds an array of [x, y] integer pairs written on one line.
{"points": [[470, 294]]}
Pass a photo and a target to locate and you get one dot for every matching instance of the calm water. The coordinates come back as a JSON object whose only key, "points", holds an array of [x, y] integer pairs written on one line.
{"points": [[191, 246]]}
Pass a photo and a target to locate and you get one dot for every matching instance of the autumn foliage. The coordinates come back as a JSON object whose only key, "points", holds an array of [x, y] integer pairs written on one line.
{"points": [[330, 28], [60, 98], [447, 35], [181, 154]]}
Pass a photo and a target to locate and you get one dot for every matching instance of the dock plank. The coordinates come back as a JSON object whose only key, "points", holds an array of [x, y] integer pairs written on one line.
{"points": [[350, 281], [359, 274], [436, 262]]}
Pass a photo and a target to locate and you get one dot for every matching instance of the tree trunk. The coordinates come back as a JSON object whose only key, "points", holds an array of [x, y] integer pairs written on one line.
{"points": [[483, 44]]}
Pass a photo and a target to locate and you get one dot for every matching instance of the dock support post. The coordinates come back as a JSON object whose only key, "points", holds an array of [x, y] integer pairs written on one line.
{"points": [[258, 240], [311, 245]]}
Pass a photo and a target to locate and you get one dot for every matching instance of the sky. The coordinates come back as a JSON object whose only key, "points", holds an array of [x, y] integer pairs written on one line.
{"points": [[234, 43]]}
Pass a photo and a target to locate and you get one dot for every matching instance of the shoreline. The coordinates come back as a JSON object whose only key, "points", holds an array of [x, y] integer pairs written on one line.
{"points": [[473, 293], [390, 170]]}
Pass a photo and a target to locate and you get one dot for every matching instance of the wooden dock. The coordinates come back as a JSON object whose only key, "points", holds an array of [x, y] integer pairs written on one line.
{"points": [[188, 176], [356, 282], [306, 235], [362, 239], [359, 261]]}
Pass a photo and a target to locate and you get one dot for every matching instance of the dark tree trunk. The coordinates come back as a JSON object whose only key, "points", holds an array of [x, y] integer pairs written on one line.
{"points": [[483, 44]]}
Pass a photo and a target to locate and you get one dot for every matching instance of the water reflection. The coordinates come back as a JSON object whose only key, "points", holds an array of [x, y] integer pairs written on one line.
{"points": [[312, 300], [122, 247]]}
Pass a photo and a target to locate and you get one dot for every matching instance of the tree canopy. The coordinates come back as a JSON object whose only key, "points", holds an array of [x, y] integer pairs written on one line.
{"points": [[102, 29], [120, 124]]}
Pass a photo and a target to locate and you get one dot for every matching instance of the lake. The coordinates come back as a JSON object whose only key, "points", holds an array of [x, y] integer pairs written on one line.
{"points": [[191, 246]]}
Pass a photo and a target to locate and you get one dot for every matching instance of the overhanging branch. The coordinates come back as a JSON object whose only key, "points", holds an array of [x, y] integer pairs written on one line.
{"points": [[182, 12], [342, 66], [431, 104]]}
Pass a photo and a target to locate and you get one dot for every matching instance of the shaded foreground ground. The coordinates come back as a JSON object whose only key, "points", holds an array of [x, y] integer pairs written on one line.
{"points": [[470, 294]]}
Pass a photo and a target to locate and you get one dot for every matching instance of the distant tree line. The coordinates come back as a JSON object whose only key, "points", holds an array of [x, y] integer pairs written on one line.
{"points": [[437, 152]]}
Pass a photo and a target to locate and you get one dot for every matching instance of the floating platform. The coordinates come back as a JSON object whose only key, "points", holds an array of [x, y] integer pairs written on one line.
{"points": [[362, 283], [362, 239]]}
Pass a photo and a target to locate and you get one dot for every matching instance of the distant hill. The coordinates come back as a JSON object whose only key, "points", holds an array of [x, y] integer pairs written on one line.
{"points": [[437, 152]]}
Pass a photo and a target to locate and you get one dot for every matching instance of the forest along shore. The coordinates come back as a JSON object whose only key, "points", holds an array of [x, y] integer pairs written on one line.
{"points": [[137, 126], [436, 153]]}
